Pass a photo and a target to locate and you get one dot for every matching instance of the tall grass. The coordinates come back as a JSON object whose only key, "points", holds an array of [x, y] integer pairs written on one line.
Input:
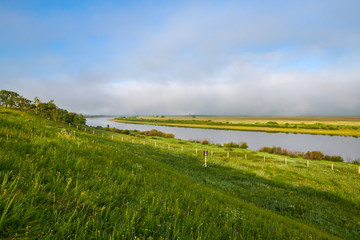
{"points": [[58, 182]]}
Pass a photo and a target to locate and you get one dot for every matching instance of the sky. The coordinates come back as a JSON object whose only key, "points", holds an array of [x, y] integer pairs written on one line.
{"points": [[244, 57]]}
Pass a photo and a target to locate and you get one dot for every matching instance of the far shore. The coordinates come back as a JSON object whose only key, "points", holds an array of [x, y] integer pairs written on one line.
{"points": [[343, 126]]}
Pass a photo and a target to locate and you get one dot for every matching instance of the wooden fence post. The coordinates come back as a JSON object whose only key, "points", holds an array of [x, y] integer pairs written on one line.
{"points": [[228, 154], [155, 144], [264, 159], [245, 156], [212, 153], [332, 166], [112, 137], [196, 150], [285, 161], [169, 146], [307, 163], [102, 134], [122, 139], [93, 132]]}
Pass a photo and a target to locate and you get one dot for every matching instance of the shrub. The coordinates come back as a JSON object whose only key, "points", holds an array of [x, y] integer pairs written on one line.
{"points": [[157, 133], [231, 145], [266, 149], [205, 141], [244, 145], [314, 155], [272, 123], [356, 161], [333, 158], [169, 135], [127, 132]]}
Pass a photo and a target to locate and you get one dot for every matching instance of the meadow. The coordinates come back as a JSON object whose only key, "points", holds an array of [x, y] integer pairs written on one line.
{"points": [[345, 126], [79, 182]]}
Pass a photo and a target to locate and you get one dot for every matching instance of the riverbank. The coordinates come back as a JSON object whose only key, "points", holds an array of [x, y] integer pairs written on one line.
{"points": [[328, 126]]}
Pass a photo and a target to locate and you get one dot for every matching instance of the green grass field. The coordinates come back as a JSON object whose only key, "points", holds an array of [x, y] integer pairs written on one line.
{"points": [[60, 182]]}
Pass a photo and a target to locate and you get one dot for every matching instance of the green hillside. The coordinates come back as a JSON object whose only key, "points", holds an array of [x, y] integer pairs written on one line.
{"points": [[62, 182]]}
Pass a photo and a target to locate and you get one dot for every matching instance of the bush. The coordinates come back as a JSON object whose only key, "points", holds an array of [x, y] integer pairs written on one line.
{"points": [[127, 132], [231, 145], [244, 145], [157, 133], [266, 149], [356, 161], [169, 135], [205, 141], [333, 158], [314, 155]]}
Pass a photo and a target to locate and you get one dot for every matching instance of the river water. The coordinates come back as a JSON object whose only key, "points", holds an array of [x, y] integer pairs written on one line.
{"points": [[347, 147]]}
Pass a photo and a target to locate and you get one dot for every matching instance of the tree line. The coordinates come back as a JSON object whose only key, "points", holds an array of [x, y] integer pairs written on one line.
{"points": [[43, 109]]}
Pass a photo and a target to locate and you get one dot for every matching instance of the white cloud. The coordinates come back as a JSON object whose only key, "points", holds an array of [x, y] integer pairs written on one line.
{"points": [[278, 58]]}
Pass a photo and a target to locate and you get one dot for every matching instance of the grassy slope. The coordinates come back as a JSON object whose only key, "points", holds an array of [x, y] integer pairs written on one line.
{"points": [[57, 184], [342, 132]]}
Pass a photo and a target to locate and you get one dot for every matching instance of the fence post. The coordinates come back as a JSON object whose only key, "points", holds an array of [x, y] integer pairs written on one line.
{"points": [[144, 143], [228, 154], [85, 129], [182, 148], [169, 146], [112, 137], [245, 156], [359, 170], [264, 159], [307, 163], [93, 132], [196, 150], [155, 144], [102, 134], [212, 153], [132, 140], [285, 161], [332, 166]]}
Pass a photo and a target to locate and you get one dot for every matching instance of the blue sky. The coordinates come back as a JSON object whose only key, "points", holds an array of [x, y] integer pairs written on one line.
{"points": [[180, 57]]}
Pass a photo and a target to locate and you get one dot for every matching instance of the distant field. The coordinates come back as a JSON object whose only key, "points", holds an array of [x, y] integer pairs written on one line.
{"points": [[343, 126], [295, 120]]}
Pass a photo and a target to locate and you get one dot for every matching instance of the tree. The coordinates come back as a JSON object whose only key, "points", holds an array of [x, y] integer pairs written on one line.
{"points": [[82, 119], [36, 103], [8, 98], [52, 108], [22, 102]]}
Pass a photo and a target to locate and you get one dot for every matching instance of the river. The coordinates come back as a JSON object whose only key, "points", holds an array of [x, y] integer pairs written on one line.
{"points": [[347, 147]]}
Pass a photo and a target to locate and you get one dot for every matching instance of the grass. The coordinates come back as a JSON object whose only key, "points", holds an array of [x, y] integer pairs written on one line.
{"points": [[57, 182], [355, 120], [345, 126]]}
